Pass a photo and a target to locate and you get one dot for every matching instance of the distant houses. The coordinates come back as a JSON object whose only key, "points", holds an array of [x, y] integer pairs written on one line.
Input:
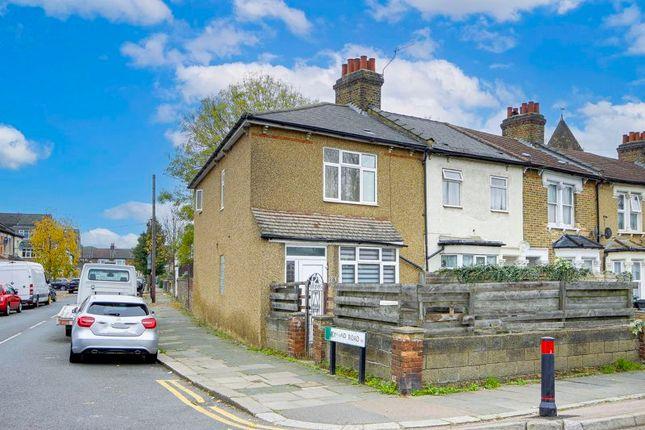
{"points": [[22, 226], [111, 255], [8, 239]]}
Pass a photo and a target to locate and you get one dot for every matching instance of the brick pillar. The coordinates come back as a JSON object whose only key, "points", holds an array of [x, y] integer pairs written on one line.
{"points": [[407, 358], [297, 336], [319, 348]]}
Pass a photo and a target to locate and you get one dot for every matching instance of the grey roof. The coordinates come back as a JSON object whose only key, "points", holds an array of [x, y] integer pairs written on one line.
{"points": [[325, 228], [575, 241], [475, 241], [19, 219], [338, 119], [447, 138], [563, 138], [92, 252], [8, 230], [623, 245]]}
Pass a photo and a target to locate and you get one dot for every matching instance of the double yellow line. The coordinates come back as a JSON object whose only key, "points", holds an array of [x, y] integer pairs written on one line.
{"points": [[216, 413]]}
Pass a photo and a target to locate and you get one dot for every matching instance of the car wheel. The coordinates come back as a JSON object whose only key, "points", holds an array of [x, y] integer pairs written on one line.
{"points": [[7, 309], [74, 357], [68, 330], [151, 358], [19, 310], [37, 302]]}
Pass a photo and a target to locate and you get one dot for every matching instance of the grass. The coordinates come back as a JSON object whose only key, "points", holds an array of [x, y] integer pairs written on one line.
{"points": [[621, 365]]}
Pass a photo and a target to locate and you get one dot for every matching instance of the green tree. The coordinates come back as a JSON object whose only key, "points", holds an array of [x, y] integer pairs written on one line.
{"points": [[206, 127], [144, 248]]}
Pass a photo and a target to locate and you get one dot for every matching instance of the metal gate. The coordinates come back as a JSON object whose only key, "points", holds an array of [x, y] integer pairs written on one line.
{"points": [[314, 296]]}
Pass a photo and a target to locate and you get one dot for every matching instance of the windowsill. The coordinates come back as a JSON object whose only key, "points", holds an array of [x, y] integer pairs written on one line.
{"points": [[453, 207], [629, 232], [562, 227], [349, 203], [499, 211]]}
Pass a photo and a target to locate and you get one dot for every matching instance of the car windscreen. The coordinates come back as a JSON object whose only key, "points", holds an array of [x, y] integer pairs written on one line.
{"points": [[111, 275], [118, 309]]}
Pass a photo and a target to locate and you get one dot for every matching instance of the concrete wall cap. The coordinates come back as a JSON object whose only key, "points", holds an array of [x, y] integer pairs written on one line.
{"points": [[408, 330]]}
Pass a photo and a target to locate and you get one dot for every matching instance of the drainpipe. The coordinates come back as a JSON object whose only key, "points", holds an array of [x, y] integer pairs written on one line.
{"points": [[425, 206], [602, 260], [439, 251]]}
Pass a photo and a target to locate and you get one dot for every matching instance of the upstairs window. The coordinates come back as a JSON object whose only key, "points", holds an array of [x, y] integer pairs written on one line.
{"points": [[498, 194], [199, 195], [560, 205], [629, 212], [452, 180], [349, 177]]}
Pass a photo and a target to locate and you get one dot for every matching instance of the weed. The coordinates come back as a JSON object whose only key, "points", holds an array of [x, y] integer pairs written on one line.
{"points": [[491, 383]]}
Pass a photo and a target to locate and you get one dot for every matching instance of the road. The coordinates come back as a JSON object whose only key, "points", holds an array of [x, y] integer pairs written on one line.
{"points": [[42, 390]]}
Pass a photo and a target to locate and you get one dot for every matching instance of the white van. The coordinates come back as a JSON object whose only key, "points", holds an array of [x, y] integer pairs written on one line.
{"points": [[28, 279], [106, 279]]}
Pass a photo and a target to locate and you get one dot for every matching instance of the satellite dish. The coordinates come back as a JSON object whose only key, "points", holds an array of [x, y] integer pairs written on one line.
{"points": [[608, 233]]}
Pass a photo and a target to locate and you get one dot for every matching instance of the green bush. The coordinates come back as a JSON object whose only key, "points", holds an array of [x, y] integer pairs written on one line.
{"points": [[561, 270]]}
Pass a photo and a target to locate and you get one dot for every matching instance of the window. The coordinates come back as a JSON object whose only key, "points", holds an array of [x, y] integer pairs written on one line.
{"points": [[498, 194], [452, 180], [25, 233], [221, 274], [588, 263], [629, 212], [449, 261], [221, 189], [369, 265], [560, 209], [199, 195], [306, 251], [118, 309], [468, 260], [109, 275], [28, 253], [618, 267], [349, 177], [291, 271], [636, 277]]}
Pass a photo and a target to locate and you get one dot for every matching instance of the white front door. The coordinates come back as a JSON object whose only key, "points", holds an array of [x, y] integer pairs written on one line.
{"points": [[303, 261]]}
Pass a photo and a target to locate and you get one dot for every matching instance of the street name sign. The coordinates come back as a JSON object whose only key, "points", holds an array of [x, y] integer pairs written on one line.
{"points": [[348, 337]]}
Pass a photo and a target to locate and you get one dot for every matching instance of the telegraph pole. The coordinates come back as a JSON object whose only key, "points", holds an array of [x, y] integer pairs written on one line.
{"points": [[153, 252]]}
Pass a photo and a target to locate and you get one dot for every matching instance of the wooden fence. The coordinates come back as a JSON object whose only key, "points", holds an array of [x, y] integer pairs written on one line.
{"points": [[451, 309], [285, 298]]}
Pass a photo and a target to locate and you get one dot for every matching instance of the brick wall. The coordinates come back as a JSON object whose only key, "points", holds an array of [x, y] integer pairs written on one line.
{"points": [[296, 336], [528, 127], [361, 88], [536, 216]]}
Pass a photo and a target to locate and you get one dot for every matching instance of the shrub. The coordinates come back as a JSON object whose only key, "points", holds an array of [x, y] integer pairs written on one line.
{"points": [[561, 270]]}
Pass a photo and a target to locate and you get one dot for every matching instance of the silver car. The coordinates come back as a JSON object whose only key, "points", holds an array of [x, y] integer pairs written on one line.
{"points": [[112, 324]]}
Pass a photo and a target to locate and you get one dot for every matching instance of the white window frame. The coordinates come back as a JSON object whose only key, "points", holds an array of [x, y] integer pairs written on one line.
{"points": [[199, 200], [222, 181], [26, 234], [357, 260], [459, 181], [559, 205], [460, 258], [627, 212], [505, 179], [622, 265], [28, 253], [359, 166]]}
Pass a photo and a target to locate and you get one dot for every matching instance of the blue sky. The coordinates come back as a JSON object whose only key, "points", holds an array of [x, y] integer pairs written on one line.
{"points": [[91, 92]]}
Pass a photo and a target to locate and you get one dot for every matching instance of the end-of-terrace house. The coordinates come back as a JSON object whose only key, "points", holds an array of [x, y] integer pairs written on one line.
{"points": [[8, 238], [23, 225]]}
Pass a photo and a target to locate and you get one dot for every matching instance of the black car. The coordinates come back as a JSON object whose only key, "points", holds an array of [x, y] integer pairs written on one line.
{"points": [[72, 286], [59, 284]]}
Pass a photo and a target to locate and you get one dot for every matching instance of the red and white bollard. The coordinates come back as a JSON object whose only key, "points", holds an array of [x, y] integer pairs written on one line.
{"points": [[547, 403]]}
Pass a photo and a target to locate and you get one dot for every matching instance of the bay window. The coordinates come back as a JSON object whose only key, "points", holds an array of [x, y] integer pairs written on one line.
{"points": [[349, 177], [498, 194], [629, 212], [368, 265], [452, 180]]}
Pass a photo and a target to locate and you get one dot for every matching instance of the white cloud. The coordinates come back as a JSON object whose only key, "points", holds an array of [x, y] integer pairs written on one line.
{"points": [[16, 151], [218, 39], [488, 40], [136, 211], [151, 52], [103, 238], [630, 21], [177, 137], [603, 125], [167, 113], [140, 12], [422, 45], [428, 88], [500, 10], [254, 10]]}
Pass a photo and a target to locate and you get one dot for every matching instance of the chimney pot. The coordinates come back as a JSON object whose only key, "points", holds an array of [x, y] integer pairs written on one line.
{"points": [[524, 108], [344, 68], [509, 112], [537, 107], [363, 62], [632, 136], [625, 138], [643, 135], [531, 107], [371, 64]]}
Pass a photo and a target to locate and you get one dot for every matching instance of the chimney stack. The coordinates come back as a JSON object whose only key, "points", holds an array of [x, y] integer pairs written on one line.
{"points": [[359, 83], [633, 147], [525, 122]]}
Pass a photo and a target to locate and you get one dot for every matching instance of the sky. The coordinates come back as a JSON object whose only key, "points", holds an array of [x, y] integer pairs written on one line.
{"points": [[92, 92]]}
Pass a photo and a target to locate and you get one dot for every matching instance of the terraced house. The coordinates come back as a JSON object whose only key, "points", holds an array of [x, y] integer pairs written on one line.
{"points": [[359, 194]]}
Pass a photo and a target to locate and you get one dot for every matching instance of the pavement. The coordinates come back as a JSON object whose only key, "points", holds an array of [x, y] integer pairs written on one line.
{"points": [[42, 390], [297, 395]]}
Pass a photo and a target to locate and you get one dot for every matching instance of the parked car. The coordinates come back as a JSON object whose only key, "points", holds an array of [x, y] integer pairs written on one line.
{"points": [[52, 294], [9, 301], [59, 284], [72, 285], [108, 324], [28, 279]]}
